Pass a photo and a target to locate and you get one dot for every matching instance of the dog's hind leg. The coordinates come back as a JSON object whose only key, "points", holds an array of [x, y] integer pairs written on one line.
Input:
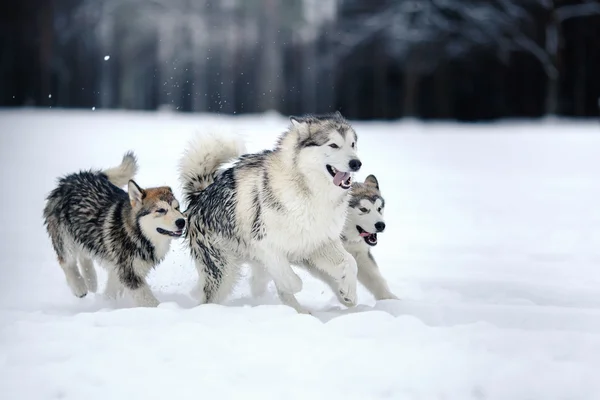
{"points": [[259, 280], [89, 273], [66, 259], [199, 292], [218, 271]]}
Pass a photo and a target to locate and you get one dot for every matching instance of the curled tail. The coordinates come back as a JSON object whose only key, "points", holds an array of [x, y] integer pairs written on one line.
{"points": [[121, 174], [202, 159]]}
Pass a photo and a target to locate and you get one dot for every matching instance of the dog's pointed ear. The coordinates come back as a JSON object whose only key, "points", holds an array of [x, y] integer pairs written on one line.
{"points": [[372, 181], [297, 121], [136, 193], [338, 114]]}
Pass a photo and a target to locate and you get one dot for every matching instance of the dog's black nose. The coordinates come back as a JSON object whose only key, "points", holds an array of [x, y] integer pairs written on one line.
{"points": [[355, 165], [380, 226], [180, 223]]}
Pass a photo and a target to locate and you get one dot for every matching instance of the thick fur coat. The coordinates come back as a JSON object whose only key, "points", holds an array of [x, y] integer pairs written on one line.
{"points": [[89, 217], [271, 209]]}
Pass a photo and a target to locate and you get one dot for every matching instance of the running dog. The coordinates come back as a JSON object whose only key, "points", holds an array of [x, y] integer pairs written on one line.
{"points": [[89, 217], [271, 209], [363, 223]]}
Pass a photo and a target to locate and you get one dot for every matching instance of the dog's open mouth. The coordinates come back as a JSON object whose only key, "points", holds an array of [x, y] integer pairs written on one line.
{"points": [[169, 233], [370, 238], [341, 179]]}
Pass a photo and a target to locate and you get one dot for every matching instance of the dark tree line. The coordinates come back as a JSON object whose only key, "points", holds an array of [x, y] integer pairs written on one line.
{"points": [[449, 59]]}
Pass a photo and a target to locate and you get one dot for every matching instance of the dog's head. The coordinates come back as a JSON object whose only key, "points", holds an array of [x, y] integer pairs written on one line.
{"points": [[157, 211], [330, 143], [365, 214]]}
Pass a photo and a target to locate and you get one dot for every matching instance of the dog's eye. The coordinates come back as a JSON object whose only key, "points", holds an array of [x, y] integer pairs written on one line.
{"points": [[362, 209], [379, 209], [161, 211], [334, 146], [353, 144]]}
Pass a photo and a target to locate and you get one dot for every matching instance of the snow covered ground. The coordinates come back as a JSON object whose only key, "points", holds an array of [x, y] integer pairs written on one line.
{"points": [[493, 244]]}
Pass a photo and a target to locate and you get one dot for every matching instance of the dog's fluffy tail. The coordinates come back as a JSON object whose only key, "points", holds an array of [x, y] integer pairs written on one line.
{"points": [[121, 174], [203, 157]]}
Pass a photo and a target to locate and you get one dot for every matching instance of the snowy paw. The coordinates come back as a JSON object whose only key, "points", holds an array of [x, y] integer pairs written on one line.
{"points": [[78, 287], [143, 297], [387, 296], [198, 294], [150, 302], [347, 284], [302, 310], [112, 293], [347, 291]]}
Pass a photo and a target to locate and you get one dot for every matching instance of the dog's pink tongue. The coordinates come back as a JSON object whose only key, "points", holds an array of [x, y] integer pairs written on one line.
{"points": [[364, 234], [340, 177]]}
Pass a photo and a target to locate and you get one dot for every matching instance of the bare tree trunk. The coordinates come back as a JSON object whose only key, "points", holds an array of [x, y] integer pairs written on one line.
{"points": [[45, 21], [228, 53], [442, 97], [580, 82], [411, 88], [170, 67], [309, 77], [106, 34], [552, 47], [198, 37], [381, 110], [270, 73]]}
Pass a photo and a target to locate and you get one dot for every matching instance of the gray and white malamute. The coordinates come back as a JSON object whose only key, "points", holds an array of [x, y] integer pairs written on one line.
{"points": [[363, 223], [89, 217], [271, 209]]}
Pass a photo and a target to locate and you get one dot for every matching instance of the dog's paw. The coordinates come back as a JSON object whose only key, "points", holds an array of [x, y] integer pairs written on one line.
{"points": [[347, 297], [150, 302], [302, 310], [143, 297], [347, 283], [347, 290], [387, 296], [198, 294], [78, 287]]}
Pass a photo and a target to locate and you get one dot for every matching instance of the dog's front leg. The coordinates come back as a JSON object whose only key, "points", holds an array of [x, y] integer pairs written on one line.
{"points": [[137, 287], [258, 286], [144, 297], [336, 262], [279, 268], [370, 276]]}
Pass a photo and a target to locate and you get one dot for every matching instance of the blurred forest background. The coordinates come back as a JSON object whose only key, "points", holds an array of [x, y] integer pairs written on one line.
{"points": [[371, 59]]}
